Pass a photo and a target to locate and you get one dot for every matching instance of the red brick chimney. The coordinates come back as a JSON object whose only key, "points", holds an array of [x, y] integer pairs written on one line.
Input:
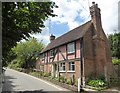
{"points": [[52, 37], [96, 18]]}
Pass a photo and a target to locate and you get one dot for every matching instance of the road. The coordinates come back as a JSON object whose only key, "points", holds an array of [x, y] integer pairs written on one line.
{"points": [[18, 81]]}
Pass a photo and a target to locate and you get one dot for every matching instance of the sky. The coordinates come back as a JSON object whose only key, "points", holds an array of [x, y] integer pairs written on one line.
{"points": [[73, 13]]}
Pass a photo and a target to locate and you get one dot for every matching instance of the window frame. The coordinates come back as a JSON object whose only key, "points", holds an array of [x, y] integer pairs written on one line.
{"points": [[71, 64], [52, 53], [62, 67], [69, 46]]}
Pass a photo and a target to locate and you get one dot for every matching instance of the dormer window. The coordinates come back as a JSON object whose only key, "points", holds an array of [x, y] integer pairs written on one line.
{"points": [[71, 48]]}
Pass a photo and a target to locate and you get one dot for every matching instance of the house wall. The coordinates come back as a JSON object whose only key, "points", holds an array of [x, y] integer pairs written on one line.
{"points": [[62, 52], [97, 56], [69, 74], [37, 64], [78, 49], [62, 56], [89, 63]]}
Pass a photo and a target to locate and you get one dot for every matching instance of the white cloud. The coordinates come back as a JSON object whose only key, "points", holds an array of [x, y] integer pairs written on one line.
{"points": [[44, 35], [68, 11]]}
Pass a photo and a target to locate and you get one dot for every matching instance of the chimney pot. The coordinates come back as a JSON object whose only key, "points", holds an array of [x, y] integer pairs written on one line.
{"points": [[96, 5], [96, 17], [93, 3], [52, 37]]}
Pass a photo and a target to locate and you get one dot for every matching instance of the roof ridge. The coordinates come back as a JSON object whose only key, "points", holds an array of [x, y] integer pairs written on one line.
{"points": [[71, 35], [73, 29]]}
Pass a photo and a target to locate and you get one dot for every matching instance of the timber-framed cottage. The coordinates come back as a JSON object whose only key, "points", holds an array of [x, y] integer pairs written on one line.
{"points": [[82, 52]]}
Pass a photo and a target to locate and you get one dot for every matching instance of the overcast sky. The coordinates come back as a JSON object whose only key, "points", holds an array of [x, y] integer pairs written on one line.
{"points": [[73, 13]]}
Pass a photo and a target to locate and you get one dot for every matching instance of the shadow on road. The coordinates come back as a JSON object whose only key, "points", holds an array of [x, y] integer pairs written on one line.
{"points": [[39, 91], [8, 84], [35, 91]]}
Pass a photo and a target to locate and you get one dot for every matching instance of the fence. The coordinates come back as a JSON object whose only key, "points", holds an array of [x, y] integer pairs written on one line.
{"points": [[115, 78]]}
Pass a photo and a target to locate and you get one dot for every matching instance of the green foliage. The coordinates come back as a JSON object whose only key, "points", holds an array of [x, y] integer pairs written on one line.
{"points": [[69, 81], [115, 44], [14, 64], [41, 73], [36, 74], [56, 78], [46, 74], [27, 53], [76, 82], [97, 83], [116, 61], [20, 19], [62, 79]]}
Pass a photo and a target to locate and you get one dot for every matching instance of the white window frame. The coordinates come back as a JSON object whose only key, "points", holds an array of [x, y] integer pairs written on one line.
{"points": [[62, 67], [71, 48], [71, 64]]}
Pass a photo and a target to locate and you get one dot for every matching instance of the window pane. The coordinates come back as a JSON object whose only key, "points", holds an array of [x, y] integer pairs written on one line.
{"points": [[62, 66], [52, 53], [71, 48], [71, 66]]}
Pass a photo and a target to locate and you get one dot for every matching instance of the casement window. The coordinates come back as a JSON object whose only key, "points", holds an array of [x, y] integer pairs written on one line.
{"points": [[71, 66], [62, 66], [70, 48], [51, 53]]}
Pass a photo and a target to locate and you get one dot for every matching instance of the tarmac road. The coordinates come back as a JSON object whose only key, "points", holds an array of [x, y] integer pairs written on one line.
{"points": [[18, 81]]}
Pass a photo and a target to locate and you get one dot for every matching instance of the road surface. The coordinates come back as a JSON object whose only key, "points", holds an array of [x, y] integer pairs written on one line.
{"points": [[18, 81]]}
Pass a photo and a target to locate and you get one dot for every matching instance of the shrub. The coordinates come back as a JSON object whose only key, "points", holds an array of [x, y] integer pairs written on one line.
{"points": [[76, 82], [62, 79], [41, 73], [116, 61], [69, 81], [97, 83], [46, 74], [56, 78]]}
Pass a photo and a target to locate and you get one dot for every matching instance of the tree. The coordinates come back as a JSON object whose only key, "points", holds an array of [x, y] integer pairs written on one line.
{"points": [[27, 53], [20, 19], [115, 44]]}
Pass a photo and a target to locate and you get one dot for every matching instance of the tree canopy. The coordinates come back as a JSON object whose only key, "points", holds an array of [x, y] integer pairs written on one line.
{"points": [[115, 44], [20, 19], [27, 53]]}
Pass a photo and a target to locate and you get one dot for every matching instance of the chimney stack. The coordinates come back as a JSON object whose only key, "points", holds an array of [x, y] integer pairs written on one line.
{"points": [[52, 37], [96, 17]]}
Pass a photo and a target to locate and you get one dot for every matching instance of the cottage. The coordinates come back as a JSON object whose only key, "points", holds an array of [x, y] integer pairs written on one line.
{"points": [[82, 52]]}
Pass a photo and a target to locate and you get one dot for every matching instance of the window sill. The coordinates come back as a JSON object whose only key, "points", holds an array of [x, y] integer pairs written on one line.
{"points": [[70, 71], [51, 57], [70, 53], [62, 71]]}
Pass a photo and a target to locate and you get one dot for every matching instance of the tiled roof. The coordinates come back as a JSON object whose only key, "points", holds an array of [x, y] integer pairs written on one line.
{"points": [[72, 35]]}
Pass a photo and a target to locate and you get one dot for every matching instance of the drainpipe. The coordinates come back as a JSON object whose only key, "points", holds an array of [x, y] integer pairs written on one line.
{"points": [[82, 76], [80, 80]]}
